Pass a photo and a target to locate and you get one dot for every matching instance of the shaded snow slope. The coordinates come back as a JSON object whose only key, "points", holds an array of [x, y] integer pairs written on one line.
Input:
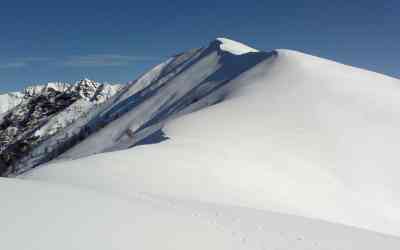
{"points": [[294, 133]]}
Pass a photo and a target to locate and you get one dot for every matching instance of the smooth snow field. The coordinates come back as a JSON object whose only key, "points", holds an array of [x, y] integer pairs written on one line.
{"points": [[301, 153], [62, 217]]}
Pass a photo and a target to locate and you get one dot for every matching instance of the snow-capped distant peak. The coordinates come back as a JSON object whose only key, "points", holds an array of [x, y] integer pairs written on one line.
{"points": [[234, 47], [38, 89], [88, 89], [9, 101], [87, 82]]}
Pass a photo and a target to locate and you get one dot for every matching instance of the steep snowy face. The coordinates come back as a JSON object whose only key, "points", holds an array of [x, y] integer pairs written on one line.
{"points": [[45, 110], [183, 84], [9, 101]]}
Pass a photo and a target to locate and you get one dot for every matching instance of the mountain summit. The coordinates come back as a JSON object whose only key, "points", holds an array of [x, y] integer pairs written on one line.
{"points": [[234, 47]]}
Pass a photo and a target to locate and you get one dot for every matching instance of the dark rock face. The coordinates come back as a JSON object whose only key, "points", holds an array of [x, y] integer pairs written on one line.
{"points": [[40, 104]]}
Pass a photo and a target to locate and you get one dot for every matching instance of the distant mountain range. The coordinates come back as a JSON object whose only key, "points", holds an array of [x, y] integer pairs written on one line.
{"points": [[33, 115]]}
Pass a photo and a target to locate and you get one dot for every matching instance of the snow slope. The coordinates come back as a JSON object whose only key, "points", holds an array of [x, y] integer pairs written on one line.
{"points": [[185, 83], [61, 217], [292, 133], [70, 114], [9, 101]]}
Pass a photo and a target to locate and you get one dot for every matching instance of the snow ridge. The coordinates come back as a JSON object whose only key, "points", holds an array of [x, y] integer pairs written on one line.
{"points": [[235, 47]]}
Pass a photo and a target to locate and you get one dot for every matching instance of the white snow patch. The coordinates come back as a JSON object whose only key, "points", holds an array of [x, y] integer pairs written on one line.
{"points": [[9, 101], [234, 47], [60, 121]]}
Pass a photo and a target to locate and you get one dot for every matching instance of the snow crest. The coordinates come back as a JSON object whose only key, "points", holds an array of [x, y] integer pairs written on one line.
{"points": [[234, 47]]}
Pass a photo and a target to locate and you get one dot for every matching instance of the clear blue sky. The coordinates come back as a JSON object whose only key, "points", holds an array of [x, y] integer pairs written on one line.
{"points": [[115, 41]]}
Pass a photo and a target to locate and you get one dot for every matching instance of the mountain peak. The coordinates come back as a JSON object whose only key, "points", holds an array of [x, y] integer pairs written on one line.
{"points": [[234, 47], [86, 81]]}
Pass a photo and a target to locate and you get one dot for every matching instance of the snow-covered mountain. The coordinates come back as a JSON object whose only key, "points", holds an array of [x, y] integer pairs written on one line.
{"points": [[222, 147], [281, 131], [86, 89], [182, 84], [41, 111]]}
